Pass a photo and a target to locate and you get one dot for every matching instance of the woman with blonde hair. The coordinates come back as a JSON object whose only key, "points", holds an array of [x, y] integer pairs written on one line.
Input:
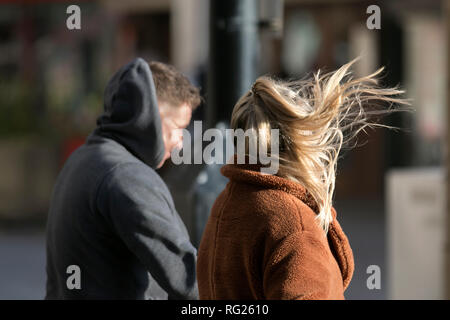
{"points": [[276, 236]]}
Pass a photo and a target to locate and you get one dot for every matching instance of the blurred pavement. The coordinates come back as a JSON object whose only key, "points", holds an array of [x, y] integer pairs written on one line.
{"points": [[22, 263]]}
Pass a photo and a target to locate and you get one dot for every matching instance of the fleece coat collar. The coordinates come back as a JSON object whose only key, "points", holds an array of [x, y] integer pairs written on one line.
{"points": [[337, 240]]}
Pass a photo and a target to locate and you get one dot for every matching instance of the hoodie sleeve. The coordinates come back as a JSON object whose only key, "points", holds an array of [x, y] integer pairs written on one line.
{"points": [[138, 205]]}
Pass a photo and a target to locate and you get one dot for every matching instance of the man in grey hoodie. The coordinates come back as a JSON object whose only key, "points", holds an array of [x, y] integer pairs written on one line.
{"points": [[113, 231]]}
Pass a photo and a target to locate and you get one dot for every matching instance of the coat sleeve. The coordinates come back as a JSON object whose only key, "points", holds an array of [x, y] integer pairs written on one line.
{"points": [[296, 269], [139, 207]]}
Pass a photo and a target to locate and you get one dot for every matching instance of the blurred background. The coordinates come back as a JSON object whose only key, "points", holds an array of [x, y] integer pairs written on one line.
{"points": [[391, 192]]}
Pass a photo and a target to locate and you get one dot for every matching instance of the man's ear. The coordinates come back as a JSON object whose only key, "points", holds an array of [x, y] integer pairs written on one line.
{"points": [[165, 109], [162, 106]]}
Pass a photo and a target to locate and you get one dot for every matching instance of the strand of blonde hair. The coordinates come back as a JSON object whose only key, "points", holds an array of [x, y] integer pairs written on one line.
{"points": [[316, 117]]}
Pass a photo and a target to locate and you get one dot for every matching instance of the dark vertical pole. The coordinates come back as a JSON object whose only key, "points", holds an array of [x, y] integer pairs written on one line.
{"points": [[447, 156], [233, 56], [391, 56]]}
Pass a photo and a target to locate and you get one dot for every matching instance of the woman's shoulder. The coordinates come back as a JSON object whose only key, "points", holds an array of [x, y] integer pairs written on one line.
{"points": [[276, 208], [271, 199]]}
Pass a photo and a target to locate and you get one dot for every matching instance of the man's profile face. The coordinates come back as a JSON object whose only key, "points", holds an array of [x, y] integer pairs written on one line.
{"points": [[173, 120]]}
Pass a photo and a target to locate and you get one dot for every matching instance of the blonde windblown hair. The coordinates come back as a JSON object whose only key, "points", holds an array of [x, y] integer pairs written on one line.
{"points": [[315, 117]]}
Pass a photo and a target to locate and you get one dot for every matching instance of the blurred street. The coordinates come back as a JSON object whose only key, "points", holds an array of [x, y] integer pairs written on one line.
{"points": [[390, 194], [22, 267]]}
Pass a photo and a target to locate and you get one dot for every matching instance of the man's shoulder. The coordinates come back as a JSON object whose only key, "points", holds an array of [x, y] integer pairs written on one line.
{"points": [[134, 170], [132, 178], [111, 159]]}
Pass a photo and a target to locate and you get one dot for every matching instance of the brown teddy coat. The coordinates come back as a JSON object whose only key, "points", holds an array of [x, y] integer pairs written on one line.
{"points": [[262, 242]]}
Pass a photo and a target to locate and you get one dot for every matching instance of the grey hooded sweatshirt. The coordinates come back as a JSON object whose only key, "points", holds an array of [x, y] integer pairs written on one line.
{"points": [[113, 231]]}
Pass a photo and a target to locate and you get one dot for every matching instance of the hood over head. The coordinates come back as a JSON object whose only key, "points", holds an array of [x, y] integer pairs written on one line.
{"points": [[131, 114]]}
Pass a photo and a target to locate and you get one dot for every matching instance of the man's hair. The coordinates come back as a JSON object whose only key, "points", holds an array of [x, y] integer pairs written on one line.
{"points": [[173, 87]]}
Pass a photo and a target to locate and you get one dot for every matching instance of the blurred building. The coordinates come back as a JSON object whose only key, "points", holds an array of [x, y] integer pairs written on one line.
{"points": [[52, 81]]}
